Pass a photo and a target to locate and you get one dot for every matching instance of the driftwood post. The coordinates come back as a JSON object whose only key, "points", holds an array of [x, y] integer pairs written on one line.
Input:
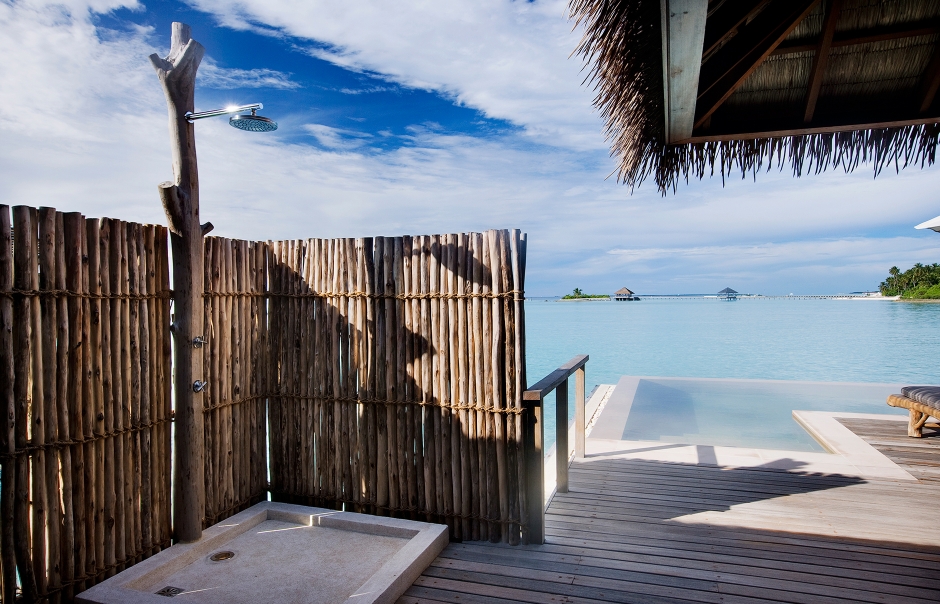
{"points": [[177, 74]]}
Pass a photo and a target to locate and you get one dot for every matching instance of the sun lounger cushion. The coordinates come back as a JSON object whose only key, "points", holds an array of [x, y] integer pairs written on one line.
{"points": [[925, 395]]}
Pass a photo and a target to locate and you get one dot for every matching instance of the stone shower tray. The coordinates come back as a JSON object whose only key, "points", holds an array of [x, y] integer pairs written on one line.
{"points": [[278, 552]]}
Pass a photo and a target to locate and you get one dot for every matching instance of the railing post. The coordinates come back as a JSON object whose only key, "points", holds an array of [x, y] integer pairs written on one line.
{"points": [[561, 439], [533, 435], [579, 426]]}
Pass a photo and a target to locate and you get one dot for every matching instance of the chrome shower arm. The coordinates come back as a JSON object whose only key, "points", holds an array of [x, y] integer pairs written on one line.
{"points": [[191, 117]]}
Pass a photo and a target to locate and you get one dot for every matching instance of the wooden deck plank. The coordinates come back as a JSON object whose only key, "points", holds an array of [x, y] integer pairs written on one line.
{"points": [[645, 531], [610, 586], [682, 505], [427, 591], [697, 541], [773, 578], [579, 495], [715, 484], [565, 549], [588, 485], [919, 456], [420, 600], [781, 509], [895, 532], [603, 589], [542, 582], [483, 585]]}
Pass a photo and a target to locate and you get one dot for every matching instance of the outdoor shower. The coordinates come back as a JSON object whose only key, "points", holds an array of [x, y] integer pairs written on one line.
{"points": [[251, 122]]}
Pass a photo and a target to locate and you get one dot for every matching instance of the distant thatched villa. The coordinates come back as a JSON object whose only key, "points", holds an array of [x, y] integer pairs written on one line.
{"points": [[624, 294], [728, 294]]}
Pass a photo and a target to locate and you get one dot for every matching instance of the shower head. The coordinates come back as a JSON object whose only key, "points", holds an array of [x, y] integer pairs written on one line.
{"points": [[250, 122]]}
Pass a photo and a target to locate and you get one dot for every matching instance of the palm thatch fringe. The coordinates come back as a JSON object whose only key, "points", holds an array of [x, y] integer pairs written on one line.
{"points": [[809, 153], [622, 49]]}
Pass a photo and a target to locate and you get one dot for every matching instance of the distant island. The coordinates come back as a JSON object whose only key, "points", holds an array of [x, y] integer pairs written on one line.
{"points": [[920, 282], [577, 294]]}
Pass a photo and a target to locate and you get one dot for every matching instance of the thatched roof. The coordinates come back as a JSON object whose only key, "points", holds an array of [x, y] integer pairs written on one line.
{"points": [[623, 291], [747, 85], [727, 291]]}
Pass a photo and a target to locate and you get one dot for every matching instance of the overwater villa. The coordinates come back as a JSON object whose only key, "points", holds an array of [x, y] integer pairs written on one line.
{"points": [[352, 420], [728, 294], [624, 295]]}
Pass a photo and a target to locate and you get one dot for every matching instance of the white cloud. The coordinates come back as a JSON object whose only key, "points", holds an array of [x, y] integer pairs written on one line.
{"points": [[509, 60], [368, 90], [84, 129], [212, 76], [337, 138], [754, 263], [83, 121]]}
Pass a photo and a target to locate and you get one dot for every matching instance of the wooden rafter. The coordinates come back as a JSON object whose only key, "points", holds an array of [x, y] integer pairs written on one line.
{"points": [[864, 36], [930, 82], [821, 59], [727, 68], [724, 22], [683, 31], [774, 132]]}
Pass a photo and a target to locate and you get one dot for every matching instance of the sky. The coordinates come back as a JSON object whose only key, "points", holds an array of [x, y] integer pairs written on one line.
{"points": [[417, 117]]}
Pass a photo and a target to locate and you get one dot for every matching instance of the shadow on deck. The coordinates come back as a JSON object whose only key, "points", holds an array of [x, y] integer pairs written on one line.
{"points": [[648, 531]]}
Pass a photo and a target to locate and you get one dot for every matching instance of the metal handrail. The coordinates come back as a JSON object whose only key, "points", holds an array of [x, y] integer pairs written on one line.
{"points": [[533, 438]]}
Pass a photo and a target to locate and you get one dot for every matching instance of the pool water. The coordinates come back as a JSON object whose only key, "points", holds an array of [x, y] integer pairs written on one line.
{"points": [[786, 340], [731, 413]]}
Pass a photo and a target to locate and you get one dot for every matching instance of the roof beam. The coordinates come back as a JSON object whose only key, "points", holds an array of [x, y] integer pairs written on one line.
{"points": [[804, 130], [735, 61], [724, 22], [864, 36], [821, 59], [683, 31], [930, 82]]}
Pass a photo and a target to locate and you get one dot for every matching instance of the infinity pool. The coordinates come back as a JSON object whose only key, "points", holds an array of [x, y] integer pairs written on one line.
{"points": [[838, 342], [735, 413]]}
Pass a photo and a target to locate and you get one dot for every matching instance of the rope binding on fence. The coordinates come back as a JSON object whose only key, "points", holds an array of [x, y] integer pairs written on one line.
{"points": [[64, 293], [61, 444], [364, 401], [516, 295]]}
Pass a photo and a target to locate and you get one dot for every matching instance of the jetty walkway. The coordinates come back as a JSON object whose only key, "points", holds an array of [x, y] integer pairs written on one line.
{"points": [[760, 297], [652, 531]]}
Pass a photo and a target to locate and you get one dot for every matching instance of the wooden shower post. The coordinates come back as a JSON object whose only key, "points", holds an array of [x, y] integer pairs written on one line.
{"points": [[177, 74]]}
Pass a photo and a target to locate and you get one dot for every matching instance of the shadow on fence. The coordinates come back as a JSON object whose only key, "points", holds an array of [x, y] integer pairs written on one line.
{"points": [[390, 374]]}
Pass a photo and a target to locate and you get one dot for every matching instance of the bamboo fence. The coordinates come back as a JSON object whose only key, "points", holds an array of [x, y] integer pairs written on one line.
{"points": [[84, 381], [235, 362], [399, 377], [379, 375]]}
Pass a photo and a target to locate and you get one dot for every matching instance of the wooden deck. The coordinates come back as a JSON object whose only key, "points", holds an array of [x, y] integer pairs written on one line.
{"points": [[651, 532], [919, 456]]}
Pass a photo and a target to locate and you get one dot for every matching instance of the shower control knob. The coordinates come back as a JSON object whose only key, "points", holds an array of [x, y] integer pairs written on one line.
{"points": [[198, 341], [199, 386]]}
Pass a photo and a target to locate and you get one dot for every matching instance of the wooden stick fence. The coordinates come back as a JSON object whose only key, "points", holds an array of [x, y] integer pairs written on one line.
{"points": [[388, 373], [234, 368], [84, 387], [377, 375], [397, 377]]}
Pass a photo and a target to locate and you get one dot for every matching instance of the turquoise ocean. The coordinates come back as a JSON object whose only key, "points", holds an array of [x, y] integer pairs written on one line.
{"points": [[791, 339]]}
